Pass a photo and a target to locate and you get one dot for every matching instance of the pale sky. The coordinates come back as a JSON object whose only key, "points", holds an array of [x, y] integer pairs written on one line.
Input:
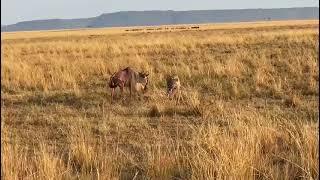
{"points": [[13, 11]]}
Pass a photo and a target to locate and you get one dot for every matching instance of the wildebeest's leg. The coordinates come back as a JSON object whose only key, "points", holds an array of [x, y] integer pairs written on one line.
{"points": [[130, 88], [112, 93], [122, 90]]}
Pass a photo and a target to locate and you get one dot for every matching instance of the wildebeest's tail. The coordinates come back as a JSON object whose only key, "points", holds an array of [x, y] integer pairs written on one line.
{"points": [[112, 83]]}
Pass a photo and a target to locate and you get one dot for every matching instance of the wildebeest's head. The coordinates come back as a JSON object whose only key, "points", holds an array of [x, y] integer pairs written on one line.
{"points": [[143, 79]]}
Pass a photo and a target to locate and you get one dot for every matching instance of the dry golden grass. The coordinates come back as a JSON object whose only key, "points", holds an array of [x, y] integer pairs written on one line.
{"points": [[249, 107]]}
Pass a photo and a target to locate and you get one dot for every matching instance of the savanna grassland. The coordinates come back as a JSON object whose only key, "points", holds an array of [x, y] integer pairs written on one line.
{"points": [[249, 107]]}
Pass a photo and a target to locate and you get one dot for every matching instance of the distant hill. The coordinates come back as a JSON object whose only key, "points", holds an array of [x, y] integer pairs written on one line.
{"points": [[149, 18]]}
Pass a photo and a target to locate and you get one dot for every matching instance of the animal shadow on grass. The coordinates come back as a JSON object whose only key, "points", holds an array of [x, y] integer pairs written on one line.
{"points": [[64, 98], [126, 100], [156, 112]]}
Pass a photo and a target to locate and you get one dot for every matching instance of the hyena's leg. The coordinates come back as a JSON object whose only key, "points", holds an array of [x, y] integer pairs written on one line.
{"points": [[179, 96], [174, 94], [171, 94], [168, 93]]}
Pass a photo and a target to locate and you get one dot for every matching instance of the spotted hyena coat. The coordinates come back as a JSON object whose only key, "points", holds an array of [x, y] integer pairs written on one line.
{"points": [[173, 85]]}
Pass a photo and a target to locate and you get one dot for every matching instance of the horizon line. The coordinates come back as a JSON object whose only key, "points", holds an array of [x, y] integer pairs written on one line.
{"points": [[155, 10]]}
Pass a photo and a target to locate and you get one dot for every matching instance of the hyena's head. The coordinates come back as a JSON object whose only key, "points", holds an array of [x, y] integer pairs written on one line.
{"points": [[173, 85], [143, 79]]}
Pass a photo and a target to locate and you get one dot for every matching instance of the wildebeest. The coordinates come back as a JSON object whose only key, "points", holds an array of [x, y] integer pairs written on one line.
{"points": [[173, 86], [135, 81]]}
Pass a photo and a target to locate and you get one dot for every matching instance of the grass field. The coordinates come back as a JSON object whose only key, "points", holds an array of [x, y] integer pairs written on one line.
{"points": [[249, 107]]}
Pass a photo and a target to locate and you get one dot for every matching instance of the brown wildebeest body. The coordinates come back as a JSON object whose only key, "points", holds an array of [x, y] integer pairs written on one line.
{"points": [[135, 81]]}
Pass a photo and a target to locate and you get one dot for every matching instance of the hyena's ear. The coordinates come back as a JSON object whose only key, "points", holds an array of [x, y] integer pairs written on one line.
{"points": [[143, 74]]}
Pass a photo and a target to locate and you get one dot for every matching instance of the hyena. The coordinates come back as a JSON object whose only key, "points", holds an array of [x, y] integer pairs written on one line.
{"points": [[173, 86], [135, 81]]}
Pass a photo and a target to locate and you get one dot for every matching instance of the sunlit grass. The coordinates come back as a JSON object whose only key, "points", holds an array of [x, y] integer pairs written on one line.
{"points": [[248, 109]]}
